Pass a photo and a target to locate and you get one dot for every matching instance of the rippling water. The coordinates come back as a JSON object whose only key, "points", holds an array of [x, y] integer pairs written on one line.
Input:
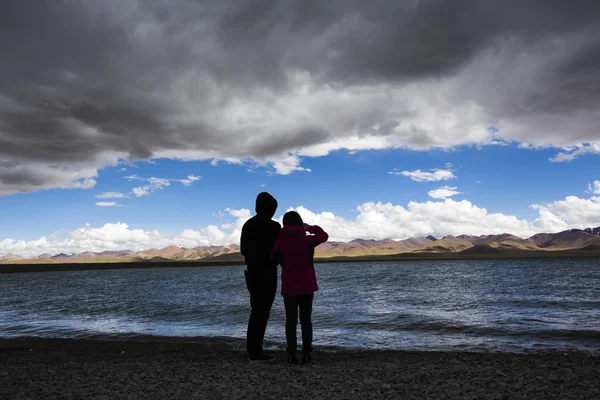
{"points": [[494, 305]]}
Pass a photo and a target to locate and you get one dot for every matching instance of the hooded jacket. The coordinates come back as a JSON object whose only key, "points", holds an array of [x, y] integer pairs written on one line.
{"points": [[259, 234], [295, 252]]}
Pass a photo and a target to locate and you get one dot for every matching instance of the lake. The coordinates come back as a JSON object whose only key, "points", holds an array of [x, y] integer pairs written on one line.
{"points": [[473, 305]]}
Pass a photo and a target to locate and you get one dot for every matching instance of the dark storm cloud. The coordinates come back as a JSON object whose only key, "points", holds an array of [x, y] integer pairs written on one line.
{"points": [[380, 40], [85, 82]]}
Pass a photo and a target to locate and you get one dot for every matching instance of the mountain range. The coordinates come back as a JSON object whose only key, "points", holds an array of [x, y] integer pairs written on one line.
{"points": [[584, 240]]}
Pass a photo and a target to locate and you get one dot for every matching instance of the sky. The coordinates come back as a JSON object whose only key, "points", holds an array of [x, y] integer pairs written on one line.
{"points": [[138, 124]]}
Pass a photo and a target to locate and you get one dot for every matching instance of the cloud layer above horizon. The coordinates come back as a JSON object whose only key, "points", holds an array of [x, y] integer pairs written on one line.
{"points": [[374, 221], [88, 83]]}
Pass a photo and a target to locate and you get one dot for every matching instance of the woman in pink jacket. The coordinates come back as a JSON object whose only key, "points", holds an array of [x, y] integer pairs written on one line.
{"points": [[295, 250]]}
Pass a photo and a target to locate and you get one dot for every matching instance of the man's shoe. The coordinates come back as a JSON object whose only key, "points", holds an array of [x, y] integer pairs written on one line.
{"points": [[306, 359], [261, 357], [292, 360]]}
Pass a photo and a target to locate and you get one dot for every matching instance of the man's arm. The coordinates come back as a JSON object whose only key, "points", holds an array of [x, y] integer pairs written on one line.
{"points": [[244, 240], [276, 253]]}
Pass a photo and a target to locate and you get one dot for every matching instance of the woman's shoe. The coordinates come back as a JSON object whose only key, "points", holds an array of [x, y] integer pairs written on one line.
{"points": [[292, 360], [306, 359]]}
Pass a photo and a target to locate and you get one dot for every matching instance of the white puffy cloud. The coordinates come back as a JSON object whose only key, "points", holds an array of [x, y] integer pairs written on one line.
{"points": [[108, 204], [119, 236], [111, 195], [443, 192], [154, 184], [190, 179], [141, 191], [572, 212], [594, 187], [424, 176], [375, 220], [288, 164], [450, 217], [438, 218], [576, 151]]}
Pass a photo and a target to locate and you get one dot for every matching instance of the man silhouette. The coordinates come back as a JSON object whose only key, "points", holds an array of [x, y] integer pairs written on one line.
{"points": [[259, 234]]}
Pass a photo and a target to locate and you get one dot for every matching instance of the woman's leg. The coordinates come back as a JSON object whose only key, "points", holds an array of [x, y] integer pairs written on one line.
{"points": [[305, 304], [291, 322]]}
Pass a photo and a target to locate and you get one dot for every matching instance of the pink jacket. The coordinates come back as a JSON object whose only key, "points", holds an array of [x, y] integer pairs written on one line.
{"points": [[295, 251]]}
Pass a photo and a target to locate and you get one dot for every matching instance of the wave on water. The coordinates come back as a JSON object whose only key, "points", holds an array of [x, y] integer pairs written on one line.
{"points": [[453, 328]]}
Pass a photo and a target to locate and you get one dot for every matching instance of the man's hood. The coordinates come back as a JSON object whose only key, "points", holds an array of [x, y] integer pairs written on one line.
{"points": [[266, 205]]}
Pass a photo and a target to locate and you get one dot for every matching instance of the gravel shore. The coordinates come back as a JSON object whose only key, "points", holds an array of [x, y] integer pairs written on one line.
{"points": [[210, 369]]}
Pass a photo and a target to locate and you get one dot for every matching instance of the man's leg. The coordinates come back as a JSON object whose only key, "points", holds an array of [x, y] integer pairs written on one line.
{"points": [[262, 295], [305, 304], [291, 323]]}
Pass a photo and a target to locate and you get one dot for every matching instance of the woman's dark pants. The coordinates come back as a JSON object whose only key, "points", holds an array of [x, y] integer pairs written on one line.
{"points": [[292, 305]]}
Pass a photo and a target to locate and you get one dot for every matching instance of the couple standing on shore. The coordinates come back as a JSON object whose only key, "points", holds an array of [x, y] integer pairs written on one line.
{"points": [[264, 245]]}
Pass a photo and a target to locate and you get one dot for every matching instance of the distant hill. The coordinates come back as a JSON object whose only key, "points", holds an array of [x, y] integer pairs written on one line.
{"points": [[11, 258], [61, 256], [591, 247], [470, 238], [505, 241], [584, 240], [571, 239], [362, 247], [448, 244], [593, 231], [482, 249]]}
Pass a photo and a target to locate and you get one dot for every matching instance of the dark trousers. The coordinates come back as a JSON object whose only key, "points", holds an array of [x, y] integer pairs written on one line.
{"points": [[262, 290], [292, 305]]}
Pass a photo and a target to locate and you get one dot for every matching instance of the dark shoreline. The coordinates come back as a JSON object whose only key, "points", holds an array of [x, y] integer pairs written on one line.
{"points": [[225, 344], [210, 368], [567, 254]]}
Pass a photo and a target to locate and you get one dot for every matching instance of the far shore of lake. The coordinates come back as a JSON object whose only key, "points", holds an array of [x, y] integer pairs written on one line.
{"points": [[166, 263]]}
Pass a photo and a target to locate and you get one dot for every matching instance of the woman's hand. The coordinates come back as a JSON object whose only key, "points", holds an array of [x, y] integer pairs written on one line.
{"points": [[305, 225]]}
